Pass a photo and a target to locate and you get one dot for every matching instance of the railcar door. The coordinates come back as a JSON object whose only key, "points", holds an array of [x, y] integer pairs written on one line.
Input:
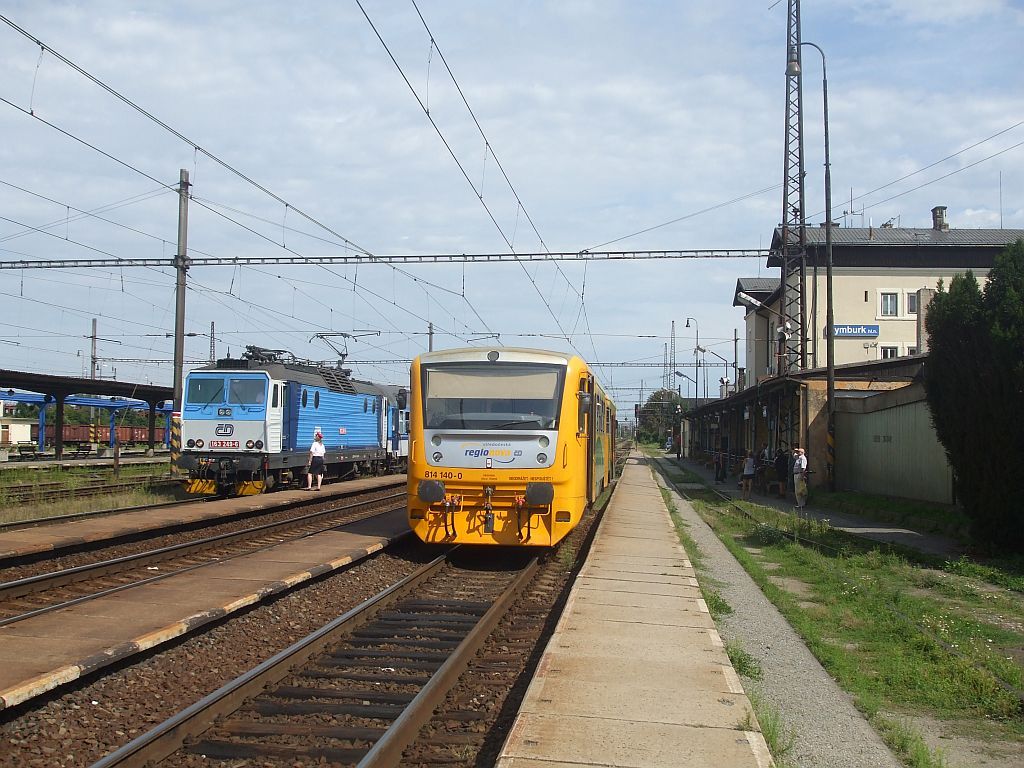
{"points": [[587, 385], [275, 417]]}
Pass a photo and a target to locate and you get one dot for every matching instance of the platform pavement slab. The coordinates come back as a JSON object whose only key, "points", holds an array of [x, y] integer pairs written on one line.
{"points": [[635, 674]]}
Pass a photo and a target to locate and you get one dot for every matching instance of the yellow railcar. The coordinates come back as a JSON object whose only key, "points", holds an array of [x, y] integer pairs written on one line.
{"points": [[507, 446]]}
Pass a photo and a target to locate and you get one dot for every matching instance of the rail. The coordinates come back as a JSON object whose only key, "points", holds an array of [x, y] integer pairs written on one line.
{"points": [[396, 656]]}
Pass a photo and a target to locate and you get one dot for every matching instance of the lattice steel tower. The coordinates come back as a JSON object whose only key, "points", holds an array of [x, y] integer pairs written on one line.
{"points": [[792, 342]]}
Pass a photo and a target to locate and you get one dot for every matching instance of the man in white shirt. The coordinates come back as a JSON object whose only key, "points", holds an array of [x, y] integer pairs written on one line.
{"points": [[800, 477]]}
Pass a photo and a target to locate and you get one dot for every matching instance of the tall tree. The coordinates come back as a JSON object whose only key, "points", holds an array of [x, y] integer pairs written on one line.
{"points": [[974, 380], [658, 414]]}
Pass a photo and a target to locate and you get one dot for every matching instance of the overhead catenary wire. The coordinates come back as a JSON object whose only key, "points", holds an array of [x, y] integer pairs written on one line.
{"points": [[458, 163], [197, 149]]}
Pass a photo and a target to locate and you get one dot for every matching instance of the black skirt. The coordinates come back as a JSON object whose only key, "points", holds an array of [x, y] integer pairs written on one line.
{"points": [[316, 465]]}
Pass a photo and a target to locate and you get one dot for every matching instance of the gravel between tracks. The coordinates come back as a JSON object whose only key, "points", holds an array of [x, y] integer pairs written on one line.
{"points": [[829, 731], [77, 728]]}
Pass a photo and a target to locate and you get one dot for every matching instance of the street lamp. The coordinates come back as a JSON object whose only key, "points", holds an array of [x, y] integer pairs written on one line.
{"points": [[793, 68], [683, 375]]}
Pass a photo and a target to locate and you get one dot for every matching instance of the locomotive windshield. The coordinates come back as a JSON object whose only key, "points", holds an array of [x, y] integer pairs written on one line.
{"points": [[492, 395], [204, 391], [210, 391], [247, 391]]}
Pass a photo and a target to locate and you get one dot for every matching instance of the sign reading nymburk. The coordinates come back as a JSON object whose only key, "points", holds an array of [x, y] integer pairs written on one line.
{"points": [[857, 331]]}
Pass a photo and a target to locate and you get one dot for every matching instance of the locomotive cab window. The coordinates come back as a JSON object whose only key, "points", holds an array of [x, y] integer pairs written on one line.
{"points": [[204, 391], [490, 395], [247, 391]]}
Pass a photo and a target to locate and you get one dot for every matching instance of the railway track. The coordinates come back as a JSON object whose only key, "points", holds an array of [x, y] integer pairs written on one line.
{"points": [[55, 491], [42, 593], [109, 541], [358, 690]]}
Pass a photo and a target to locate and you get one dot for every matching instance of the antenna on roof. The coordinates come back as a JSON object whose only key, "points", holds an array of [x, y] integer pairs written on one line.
{"points": [[853, 212]]}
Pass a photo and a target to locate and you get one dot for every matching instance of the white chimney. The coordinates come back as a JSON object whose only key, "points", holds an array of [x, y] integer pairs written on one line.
{"points": [[939, 219]]}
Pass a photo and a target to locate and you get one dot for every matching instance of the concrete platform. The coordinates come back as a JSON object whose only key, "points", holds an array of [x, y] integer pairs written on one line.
{"points": [[39, 536], [635, 674], [41, 653]]}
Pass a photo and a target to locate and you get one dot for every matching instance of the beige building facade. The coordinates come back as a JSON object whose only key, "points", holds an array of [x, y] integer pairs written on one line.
{"points": [[882, 280]]}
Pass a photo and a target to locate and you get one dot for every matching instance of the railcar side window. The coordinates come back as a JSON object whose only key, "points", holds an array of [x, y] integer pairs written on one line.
{"points": [[205, 391], [275, 402], [304, 394], [316, 399], [365, 405]]}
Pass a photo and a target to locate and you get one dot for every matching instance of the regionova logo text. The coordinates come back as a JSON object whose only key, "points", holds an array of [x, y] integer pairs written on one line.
{"points": [[502, 453]]}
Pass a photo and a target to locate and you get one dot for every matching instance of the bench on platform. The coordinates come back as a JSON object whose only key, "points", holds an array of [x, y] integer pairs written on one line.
{"points": [[77, 450], [776, 486], [27, 450]]}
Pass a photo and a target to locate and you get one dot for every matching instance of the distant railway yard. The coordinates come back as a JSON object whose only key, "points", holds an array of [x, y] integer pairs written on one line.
{"points": [[311, 629]]}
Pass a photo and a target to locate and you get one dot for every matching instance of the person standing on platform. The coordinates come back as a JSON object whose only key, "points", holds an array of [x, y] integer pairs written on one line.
{"points": [[800, 478], [317, 451], [747, 480]]}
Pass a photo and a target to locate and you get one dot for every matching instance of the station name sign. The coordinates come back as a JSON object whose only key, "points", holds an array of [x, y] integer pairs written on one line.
{"points": [[855, 331]]}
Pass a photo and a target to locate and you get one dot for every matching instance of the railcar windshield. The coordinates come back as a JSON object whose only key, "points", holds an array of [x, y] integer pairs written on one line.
{"points": [[492, 395]]}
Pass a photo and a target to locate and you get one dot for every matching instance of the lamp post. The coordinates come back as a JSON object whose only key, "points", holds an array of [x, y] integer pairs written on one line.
{"points": [[684, 376], [793, 68], [724, 361], [697, 343]]}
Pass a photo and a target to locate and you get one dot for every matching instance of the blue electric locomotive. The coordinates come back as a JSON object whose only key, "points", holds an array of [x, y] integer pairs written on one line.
{"points": [[247, 424]]}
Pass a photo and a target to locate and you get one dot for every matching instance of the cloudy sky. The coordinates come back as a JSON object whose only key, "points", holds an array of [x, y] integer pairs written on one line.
{"points": [[609, 120]]}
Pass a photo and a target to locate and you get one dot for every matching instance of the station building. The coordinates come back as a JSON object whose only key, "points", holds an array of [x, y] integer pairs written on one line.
{"points": [[883, 279]]}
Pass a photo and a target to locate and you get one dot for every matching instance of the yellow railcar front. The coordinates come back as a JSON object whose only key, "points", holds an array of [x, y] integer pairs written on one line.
{"points": [[507, 446]]}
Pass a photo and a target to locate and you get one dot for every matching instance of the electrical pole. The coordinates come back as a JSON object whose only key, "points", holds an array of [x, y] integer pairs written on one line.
{"points": [[181, 265], [430, 337], [213, 345], [672, 358], [736, 359]]}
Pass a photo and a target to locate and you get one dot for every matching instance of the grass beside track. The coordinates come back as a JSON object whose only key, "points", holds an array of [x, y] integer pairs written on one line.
{"points": [[13, 512], [860, 611]]}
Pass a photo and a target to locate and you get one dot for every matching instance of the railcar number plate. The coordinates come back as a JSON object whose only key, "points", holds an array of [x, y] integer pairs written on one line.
{"points": [[435, 474], [223, 443]]}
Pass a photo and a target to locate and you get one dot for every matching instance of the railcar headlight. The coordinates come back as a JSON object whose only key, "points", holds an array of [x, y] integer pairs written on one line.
{"points": [[190, 443], [249, 444], [436, 439], [437, 456], [542, 458], [543, 442], [200, 443], [259, 445]]}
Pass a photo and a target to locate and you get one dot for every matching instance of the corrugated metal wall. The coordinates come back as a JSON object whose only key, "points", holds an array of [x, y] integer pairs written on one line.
{"points": [[892, 452]]}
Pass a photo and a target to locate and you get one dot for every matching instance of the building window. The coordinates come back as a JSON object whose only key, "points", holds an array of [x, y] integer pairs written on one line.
{"points": [[888, 353], [890, 305], [911, 350], [912, 303]]}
